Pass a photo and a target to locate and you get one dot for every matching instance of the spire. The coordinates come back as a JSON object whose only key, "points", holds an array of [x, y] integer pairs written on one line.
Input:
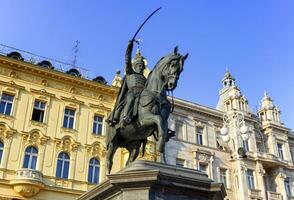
{"points": [[117, 81], [266, 101], [265, 96], [138, 53], [228, 79]]}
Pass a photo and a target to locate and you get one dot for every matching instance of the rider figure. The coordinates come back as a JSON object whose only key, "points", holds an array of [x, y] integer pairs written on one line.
{"points": [[135, 81], [133, 84]]}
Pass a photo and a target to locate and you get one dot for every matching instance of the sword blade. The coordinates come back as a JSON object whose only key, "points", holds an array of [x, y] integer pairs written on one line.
{"points": [[145, 22]]}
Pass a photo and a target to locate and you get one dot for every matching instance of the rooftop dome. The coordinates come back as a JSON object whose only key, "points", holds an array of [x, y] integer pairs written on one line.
{"points": [[74, 72], [15, 55], [100, 79], [46, 64]]}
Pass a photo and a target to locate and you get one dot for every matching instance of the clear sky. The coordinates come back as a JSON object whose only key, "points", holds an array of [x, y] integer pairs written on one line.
{"points": [[253, 39]]}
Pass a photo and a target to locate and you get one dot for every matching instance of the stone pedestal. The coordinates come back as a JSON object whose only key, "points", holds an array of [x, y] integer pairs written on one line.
{"points": [[145, 180]]}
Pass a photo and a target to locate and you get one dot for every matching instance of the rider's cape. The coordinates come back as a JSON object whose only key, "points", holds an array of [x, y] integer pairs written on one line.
{"points": [[118, 108]]}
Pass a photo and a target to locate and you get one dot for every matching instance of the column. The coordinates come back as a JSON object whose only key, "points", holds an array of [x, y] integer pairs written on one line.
{"points": [[260, 179], [211, 168], [102, 170], [73, 159], [7, 144], [287, 152], [41, 158], [281, 183], [272, 144], [243, 189]]}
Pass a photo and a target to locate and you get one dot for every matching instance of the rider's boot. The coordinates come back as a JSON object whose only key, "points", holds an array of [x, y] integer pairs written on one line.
{"points": [[126, 120]]}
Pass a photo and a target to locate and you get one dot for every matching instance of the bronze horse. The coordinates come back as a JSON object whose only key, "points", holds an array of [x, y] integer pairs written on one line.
{"points": [[153, 112]]}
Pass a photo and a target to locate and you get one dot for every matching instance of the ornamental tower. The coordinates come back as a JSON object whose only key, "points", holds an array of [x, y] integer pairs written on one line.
{"points": [[268, 112], [230, 96]]}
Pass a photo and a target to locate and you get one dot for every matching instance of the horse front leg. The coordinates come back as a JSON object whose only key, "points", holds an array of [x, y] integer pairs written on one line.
{"points": [[133, 152], [161, 143]]}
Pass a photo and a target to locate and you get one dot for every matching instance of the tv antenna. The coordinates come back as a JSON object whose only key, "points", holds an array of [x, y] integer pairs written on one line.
{"points": [[75, 52]]}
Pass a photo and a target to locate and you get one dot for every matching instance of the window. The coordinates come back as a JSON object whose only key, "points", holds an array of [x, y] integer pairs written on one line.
{"points": [[94, 171], [6, 104], [97, 125], [280, 151], [223, 177], [30, 158], [292, 155], [62, 165], [68, 120], [1, 150], [228, 106], [39, 111], [179, 130], [262, 116], [202, 167], [250, 179], [180, 162], [288, 187], [199, 135], [246, 145]]}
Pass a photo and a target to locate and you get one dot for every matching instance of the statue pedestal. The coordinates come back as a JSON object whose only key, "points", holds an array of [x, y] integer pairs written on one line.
{"points": [[145, 180]]}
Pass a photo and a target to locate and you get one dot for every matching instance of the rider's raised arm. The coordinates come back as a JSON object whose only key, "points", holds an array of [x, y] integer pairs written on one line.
{"points": [[128, 58]]}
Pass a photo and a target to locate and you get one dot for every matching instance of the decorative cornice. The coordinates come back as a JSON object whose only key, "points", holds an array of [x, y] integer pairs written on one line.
{"points": [[34, 137], [42, 92], [72, 99], [5, 131], [96, 149], [67, 143], [11, 84], [100, 106]]}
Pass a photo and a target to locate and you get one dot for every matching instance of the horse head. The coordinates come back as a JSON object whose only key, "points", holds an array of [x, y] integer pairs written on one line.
{"points": [[173, 65]]}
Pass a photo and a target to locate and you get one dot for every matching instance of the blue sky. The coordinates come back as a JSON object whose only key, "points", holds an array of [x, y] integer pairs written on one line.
{"points": [[254, 39]]}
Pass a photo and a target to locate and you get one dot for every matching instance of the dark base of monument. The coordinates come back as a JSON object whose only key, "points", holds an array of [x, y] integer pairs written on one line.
{"points": [[145, 180]]}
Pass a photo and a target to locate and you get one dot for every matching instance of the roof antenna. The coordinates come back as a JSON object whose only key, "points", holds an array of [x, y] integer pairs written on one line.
{"points": [[75, 52]]}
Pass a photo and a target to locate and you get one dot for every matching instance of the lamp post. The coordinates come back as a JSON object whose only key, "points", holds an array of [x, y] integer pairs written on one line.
{"points": [[234, 121], [235, 130]]}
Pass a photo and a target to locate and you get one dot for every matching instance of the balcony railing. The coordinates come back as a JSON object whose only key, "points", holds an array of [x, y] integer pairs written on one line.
{"points": [[34, 59], [274, 195], [28, 182], [254, 193], [29, 174]]}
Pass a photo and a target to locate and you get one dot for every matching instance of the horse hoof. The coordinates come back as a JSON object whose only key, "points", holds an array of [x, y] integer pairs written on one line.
{"points": [[161, 159]]}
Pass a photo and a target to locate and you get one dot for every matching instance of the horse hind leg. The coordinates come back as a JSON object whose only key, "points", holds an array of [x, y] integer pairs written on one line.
{"points": [[112, 147]]}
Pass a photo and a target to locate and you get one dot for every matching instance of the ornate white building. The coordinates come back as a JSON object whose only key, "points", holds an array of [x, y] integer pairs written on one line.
{"points": [[265, 172]]}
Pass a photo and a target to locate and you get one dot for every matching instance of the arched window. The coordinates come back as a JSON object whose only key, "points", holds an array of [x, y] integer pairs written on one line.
{"points": [[62, 165], [94, 171], [30, 158], [1, 150]]}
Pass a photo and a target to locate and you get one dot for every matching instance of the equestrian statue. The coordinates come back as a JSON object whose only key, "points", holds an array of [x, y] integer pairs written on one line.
{"points": [[142, 107]]}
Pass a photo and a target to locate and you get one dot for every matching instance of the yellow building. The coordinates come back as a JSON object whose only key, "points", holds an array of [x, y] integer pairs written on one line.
{"points": [[52, 136]]}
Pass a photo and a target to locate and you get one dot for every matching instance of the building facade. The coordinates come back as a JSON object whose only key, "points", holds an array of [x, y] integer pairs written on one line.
{"points": [[52, 136], [265, 172]]}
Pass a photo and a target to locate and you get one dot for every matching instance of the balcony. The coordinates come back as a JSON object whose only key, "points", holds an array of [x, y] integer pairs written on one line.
{"points": [[254, 194], [27, 182], [274, 195]]}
